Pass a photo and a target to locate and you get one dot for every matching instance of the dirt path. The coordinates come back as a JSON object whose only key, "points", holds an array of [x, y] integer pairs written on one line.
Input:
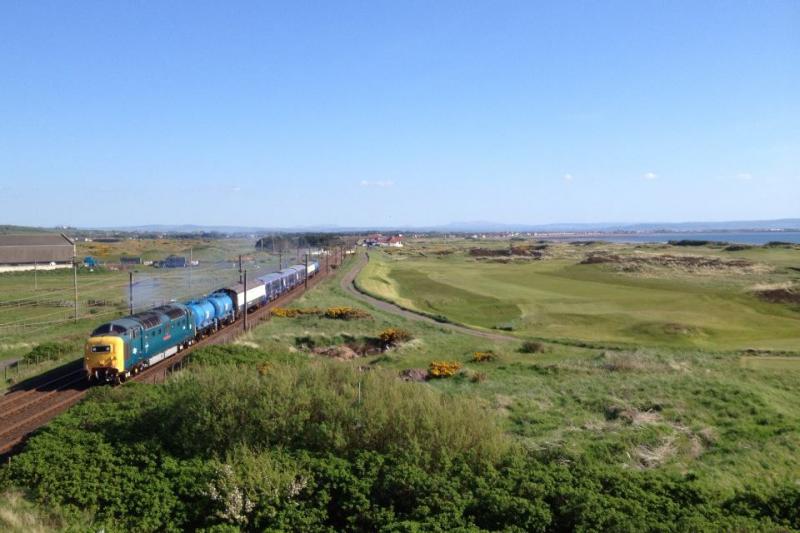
{"points": [[348, 284]]}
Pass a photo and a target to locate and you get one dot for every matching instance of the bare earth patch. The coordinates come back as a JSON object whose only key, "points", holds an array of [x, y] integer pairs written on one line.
{"points": [[783, 295], [414, 374], [646, 262]]}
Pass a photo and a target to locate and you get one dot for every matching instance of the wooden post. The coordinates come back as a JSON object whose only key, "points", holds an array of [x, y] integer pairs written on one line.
{"points": [[130, 290], [191, 258], [306, 276], [245, 301], [75, 284]]}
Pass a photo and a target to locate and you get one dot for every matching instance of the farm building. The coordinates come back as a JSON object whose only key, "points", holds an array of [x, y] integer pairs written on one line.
{"points": [[175, 261], [127, 260], [377, 239], [29, 252]]}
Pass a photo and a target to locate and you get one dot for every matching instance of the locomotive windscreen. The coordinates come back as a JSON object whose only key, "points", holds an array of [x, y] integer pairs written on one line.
{"points": [[109, 329]]}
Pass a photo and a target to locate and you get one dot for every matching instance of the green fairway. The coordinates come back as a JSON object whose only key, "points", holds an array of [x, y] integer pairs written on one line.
{"points": [[560, 298]]}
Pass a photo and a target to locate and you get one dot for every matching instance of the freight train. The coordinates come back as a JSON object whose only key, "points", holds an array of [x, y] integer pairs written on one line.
{"points": [[124, 347]]}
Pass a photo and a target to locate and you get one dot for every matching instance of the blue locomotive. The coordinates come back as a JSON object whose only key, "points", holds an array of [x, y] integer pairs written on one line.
{"points": [[124, 347]]}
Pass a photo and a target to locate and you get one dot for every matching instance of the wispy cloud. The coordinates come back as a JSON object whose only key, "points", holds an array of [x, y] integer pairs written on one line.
{"points": [[377, 183], [744, 176], [650, 176], [236, 188], [568, 177]]}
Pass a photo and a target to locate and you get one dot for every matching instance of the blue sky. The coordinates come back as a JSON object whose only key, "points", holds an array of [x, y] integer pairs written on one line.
{"points": [[398, 112]]}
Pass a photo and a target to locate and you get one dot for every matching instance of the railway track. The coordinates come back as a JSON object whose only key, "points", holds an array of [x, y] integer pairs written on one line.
{"points": [[39, 400]]}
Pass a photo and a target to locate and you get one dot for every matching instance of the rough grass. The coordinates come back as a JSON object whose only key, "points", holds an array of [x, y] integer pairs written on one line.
{"points": [[17, 515]]}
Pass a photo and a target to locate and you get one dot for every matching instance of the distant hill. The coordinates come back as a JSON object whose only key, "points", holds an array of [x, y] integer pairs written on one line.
{"points": [[7, 229], [645, 227], [785, 224]]}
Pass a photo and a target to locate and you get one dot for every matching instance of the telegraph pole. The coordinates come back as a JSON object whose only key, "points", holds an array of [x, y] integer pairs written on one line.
{"points": [[306, 284], [245, 300], [130, 290], [75, 284], [280, 260], [191, 253], [240, 268]]}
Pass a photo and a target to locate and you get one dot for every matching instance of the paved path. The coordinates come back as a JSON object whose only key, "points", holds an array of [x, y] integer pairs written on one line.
{"points": [[348, 284]]}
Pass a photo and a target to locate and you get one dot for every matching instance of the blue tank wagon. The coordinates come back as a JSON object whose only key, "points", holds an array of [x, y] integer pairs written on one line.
{"points": [[223, 307], [204, 314]]}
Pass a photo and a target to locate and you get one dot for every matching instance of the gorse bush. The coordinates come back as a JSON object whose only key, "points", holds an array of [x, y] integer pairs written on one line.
{"points": [[336, 313], [294, 312], [394, 336], [483, 357], [443, 369], [346, 313]]}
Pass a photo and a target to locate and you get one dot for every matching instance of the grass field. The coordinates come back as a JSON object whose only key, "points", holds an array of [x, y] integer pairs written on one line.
{"points": [[634, 300]]}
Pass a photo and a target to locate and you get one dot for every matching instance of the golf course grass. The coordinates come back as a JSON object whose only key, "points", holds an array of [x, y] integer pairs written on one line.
{"points": [[560, 298]]}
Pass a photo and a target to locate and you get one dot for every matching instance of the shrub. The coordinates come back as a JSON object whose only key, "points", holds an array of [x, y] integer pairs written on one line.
{"points": [[393, 337], [294, 312], [346, 313], [443, 369], [532, 347], [49, 351], [483, 357], [478, 377], [338, 313]]}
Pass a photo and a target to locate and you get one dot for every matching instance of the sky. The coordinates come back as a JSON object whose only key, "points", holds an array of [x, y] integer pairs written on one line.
{"points": [[392, 113]]}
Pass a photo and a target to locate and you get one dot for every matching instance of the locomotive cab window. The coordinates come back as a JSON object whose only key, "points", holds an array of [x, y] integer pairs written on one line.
{"points": [[102, 348]]}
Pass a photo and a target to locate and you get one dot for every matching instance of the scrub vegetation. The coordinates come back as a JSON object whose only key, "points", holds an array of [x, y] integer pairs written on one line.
{"points": [[280, 431]]}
